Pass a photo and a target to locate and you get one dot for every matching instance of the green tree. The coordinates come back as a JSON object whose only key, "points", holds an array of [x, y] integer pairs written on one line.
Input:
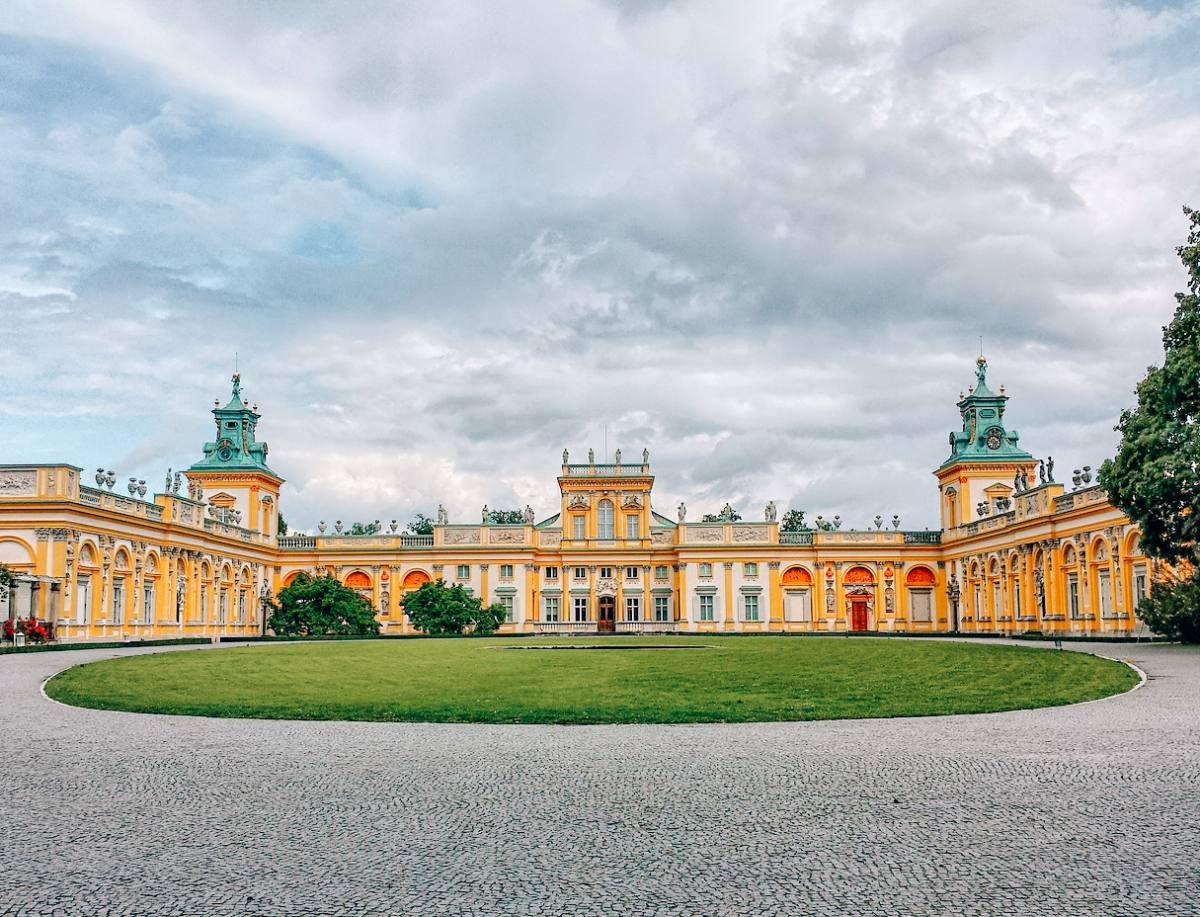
{"points": [[505, 517], [283, 529], [442, 610], [420, 524], [364, 528], [318, 605], [793, 521], [1155, 476], [735, 516]]}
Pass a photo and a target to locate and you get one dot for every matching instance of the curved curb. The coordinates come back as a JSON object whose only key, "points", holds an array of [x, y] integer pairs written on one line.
{"points": [[1143, 678]]}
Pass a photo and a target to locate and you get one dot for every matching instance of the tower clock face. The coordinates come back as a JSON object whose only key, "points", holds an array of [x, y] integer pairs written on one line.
{"points": [[993, 438], [225, 454]]}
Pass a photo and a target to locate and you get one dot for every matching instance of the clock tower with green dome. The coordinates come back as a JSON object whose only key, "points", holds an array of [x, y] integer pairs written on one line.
{"points": [[985, 464], [238, 484]]}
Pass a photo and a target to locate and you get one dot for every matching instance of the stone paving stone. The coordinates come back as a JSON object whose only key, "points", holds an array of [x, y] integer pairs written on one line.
{"points": [[1085, 810]]}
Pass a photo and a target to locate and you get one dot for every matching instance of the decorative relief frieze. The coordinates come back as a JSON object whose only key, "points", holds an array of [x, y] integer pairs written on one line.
{"points": [[18, 483], [711, 533], [660, 537], [460, 536], [743, 533], [550, 539], [506, 536]]}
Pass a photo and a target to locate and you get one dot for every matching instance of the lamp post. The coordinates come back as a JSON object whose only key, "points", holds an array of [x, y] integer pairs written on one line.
{"points": [[953, 593]]}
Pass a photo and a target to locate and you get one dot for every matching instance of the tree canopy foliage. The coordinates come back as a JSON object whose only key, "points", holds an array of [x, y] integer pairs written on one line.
{"points": [[442, 610], [420, 524], [505, 517], [793, 521], [319, 605], [364, 528], [282, 525], [733, 516], [1155, 475]]}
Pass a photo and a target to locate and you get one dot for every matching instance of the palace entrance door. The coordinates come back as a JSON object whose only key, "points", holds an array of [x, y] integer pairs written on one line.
{"points": [[608, 614], [858, 613]]}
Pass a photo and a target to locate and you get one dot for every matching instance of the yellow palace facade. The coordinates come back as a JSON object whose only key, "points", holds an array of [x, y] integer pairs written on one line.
{"points": [[1017, 552]]}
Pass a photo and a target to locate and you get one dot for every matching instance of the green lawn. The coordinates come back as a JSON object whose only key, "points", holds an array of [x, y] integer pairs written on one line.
{"points": [[733, 679]]}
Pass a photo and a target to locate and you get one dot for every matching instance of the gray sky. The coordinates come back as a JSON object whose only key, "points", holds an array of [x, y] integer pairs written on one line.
{"points": [[449, 239]]}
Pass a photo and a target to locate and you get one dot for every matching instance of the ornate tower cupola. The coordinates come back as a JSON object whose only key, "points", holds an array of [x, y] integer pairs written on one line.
{"points": [[985, 461], [234, 472]]}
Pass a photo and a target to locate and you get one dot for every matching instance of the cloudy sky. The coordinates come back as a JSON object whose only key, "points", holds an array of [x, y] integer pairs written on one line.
{"points": [[448, 240]]}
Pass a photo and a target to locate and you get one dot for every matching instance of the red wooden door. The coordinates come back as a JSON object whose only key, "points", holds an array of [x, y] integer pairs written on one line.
{"points": [[858, 614], [608, 615]]}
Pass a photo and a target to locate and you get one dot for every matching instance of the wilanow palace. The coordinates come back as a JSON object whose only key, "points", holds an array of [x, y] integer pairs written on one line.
{"points": [[1016, 552]]}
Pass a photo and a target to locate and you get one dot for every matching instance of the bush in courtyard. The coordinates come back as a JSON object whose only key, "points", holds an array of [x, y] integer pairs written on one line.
{"points": [[35, 631], [1172, 609], [319, 605], [443, 610]]}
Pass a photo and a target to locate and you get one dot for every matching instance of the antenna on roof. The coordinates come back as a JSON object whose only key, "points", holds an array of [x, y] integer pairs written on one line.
{"points": [[235, 366], [606, 443]]}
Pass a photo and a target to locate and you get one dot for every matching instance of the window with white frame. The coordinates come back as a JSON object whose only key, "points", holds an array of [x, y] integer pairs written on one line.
{"points": [[118, 600], [662, 608], [797, 605], [1016, 598], [148, 603], [750, 608], [1139, 586], [605, 521], [706, 607], [1105, 589], [660, 572], [1073, 594], [223, 606], [706, 570], [581, 573], [550, 606], [83, 598], [632, 572], [750, 569], [631, 526], [579, 527], [606, 572], [506, 571], [552, 573], [180, 598], [579, 608], [203, 602], [463, 571], [920, 603], [995, 599], [506, 602], [633, 608], [242, 606]]}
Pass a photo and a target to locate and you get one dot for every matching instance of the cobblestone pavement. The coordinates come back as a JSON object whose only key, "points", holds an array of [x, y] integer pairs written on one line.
{"points": [[1084, 810]]}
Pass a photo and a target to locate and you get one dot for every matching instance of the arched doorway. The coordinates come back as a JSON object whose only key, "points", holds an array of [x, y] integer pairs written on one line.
{"points": [[607, 614], [860, 592]]}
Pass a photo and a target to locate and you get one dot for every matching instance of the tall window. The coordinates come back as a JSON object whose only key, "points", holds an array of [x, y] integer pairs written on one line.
{"points": [[921, 601], [203, 603], [633, 608], [662, 608], [1073, 594], [148, 603], [83, 599], [1105, 586], [995, 599], [223, 608], [1016, 598], [579, 523], [749, 608], [118, 609], [550, 608], [180, 598], [1139, 586], [631, 526], [797, 605], [605, 520], [579, 608], [706, 608], [506, 602]]}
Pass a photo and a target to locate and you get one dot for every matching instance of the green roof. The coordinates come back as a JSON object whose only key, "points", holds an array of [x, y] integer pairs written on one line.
{"points": [[235, 448], [983, 437]]}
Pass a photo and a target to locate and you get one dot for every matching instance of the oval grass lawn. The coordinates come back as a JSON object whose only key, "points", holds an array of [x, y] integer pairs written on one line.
{"points": [[718, 679]]}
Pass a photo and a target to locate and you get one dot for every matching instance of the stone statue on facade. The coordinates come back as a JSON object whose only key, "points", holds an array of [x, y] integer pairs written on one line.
{"points": [[485, 514], [566, 456], [618, 456], [645, 456], [727, 513], [591, 456], [1041, 471], [682, 512], [1050, 469], [528, 514], [1018, 482], [167, 483], [177, 482], [443, 517], [770, 511], [980, 372]]}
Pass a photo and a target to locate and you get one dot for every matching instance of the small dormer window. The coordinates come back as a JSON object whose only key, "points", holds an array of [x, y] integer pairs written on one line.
{"points": [[230, 425]]}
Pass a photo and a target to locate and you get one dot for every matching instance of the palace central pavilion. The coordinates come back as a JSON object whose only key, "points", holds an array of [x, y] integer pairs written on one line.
{"points": [[1016, 552]]}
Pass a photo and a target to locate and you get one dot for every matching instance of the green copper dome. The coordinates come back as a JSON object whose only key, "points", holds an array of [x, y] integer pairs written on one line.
{"points": [[235, 448], [983, 437]]}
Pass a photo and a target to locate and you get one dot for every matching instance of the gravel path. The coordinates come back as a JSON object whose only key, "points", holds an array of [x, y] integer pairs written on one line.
{"points": [[1086, 810]]}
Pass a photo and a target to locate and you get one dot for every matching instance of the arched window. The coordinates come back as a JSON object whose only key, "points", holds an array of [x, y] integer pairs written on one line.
{"points": [[605, 519]]}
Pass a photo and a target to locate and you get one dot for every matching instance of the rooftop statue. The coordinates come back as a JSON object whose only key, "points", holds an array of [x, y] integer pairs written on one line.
{"points": [[682, 511]]}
